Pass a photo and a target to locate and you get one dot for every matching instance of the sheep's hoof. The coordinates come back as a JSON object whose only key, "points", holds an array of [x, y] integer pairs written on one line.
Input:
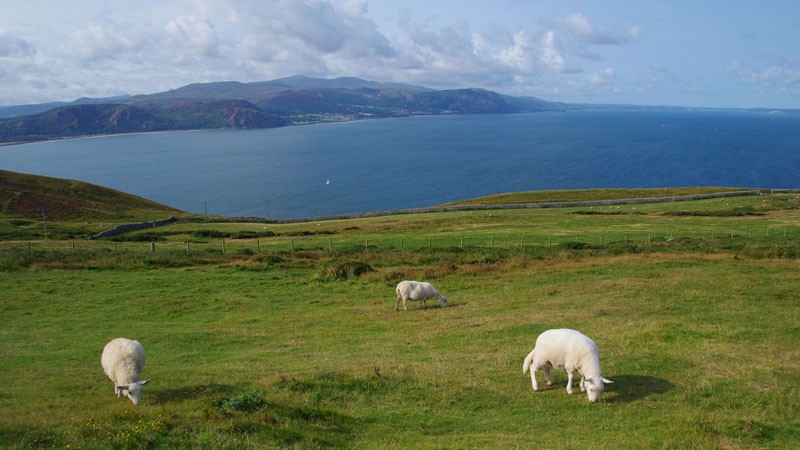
{"points": [[569, 391]]}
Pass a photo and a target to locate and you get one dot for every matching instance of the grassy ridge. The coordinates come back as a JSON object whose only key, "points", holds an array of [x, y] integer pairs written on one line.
{"points": [[584, 195], [23, 195]]}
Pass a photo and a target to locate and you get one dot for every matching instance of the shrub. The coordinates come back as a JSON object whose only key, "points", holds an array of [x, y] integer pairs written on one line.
{"points": [[246, 402], [347, 270]]}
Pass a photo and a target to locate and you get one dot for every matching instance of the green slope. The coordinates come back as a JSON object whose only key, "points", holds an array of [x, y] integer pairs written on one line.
{"points": [[25, 196], [586, 195]]}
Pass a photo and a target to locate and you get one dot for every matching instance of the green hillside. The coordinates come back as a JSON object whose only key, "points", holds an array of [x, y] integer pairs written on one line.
{"points": [[587, 195], [26, 196], [267, 335]]}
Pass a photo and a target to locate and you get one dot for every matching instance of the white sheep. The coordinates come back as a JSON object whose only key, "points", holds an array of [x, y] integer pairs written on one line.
{"points": [[123, 361], [420, 291], [570, 350]]}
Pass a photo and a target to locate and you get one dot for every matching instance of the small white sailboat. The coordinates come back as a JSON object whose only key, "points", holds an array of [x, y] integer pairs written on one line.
{"points": [[327, 181]]}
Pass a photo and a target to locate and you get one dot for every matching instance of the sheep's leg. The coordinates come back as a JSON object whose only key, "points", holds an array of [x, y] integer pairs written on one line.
{"points": [[569, 382], [583, 388], [422, 304], [117, 389], [533, 379], [397, 303], [405, 304], [547, 376]]}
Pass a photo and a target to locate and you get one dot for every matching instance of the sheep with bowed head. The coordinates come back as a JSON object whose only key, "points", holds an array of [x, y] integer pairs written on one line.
{"points": [[123, 361], [420, 291], [569, 350]]}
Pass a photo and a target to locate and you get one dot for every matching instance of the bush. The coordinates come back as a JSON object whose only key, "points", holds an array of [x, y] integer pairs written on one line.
{"points": [[347, 270], [246, 402]]}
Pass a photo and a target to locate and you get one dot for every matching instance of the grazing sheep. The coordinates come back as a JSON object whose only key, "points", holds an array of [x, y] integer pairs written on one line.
{"points": [[123, 361], [570, 350], [417, 290]]}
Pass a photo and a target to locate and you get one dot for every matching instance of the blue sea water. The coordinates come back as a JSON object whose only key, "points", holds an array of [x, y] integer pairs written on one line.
{"points": [[377, 165]]}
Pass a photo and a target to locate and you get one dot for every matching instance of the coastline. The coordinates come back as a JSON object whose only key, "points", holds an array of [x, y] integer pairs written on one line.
{"points": [[104, 135]]}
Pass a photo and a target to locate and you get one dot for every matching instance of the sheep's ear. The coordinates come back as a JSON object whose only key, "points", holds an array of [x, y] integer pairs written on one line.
{"points": [[142, 383], [607, 381]]}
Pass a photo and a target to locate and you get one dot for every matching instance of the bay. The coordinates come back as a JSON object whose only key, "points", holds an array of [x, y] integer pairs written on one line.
{"points": [[387, 164]]}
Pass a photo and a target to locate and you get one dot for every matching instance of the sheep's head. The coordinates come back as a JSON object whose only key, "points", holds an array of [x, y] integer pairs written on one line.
{"points": [[133, 390], [595, 386], [442, 300]]}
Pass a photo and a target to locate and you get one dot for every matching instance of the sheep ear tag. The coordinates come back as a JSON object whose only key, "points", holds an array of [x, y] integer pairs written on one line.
{"points": [[607, 381]]}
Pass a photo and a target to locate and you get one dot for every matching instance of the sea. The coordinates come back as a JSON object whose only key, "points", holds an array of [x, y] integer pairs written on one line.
{"points": [[377, 165]]}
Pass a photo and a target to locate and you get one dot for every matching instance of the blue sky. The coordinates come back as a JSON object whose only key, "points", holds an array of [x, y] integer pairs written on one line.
{"points": [[647, 52]]}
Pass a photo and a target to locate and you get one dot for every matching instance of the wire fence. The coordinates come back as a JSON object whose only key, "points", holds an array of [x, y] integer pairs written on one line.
{"points": [[774, 234]]}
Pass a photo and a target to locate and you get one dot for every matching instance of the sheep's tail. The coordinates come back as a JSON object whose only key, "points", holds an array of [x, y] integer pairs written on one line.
{"points": [[528, 360]]}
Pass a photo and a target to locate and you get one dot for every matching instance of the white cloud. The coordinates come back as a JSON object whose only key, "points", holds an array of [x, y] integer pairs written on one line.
{"points": [[635, 31], [603, 77], [782, 76], [551, 56], [97, 42], [193, 34], [580, 27]]}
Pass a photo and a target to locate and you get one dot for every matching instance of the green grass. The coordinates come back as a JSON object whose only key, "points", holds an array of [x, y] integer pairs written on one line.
{"points": [[583, 195], [702, 350], [275, 348]]}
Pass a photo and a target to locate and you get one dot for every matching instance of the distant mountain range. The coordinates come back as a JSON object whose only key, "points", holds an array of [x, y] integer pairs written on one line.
{"points": [[286, 101]]}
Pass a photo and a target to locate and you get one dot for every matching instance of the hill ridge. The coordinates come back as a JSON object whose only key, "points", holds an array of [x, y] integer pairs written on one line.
{"points": [[285, 101]]}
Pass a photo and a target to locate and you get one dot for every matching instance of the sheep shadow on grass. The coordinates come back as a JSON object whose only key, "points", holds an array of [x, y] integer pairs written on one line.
{"points": [[630, 388], [162, 396]]}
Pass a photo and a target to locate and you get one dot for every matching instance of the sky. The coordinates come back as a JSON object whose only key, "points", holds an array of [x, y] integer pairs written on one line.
{"points": [[698, 53]]}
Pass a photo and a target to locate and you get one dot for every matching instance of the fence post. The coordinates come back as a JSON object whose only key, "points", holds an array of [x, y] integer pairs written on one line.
{"points": [[292, 244], [258, 245], [152, 247], [73, 245], [366, 244], [401, 244], [462, 242], [115, 247], [549, 241], [187, 246], [223, 246], [330, 245]]}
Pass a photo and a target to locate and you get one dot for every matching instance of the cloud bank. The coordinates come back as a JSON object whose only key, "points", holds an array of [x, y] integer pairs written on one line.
{"points": [[153, 46]]}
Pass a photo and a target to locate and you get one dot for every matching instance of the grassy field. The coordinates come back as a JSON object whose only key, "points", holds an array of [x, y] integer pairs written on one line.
{"points": [[693, 305], [584, 195]]}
